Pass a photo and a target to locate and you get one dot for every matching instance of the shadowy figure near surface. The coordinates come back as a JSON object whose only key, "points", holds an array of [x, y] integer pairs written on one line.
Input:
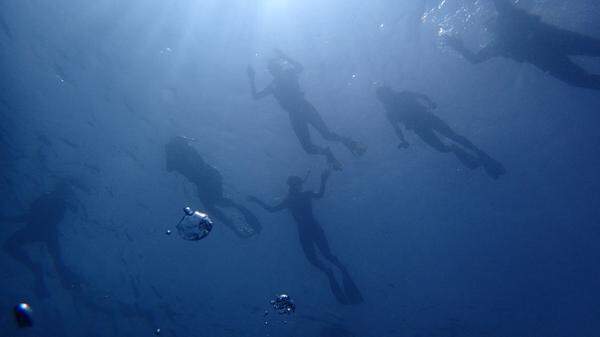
{"points": [[41, 226], [312, 237], [183, 158], [413, 110], [523, 37], [285, 87]]}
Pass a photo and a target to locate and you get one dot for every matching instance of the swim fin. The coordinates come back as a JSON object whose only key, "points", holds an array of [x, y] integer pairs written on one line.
{"points": [[493, 168], [352, 292], [336, 290]]}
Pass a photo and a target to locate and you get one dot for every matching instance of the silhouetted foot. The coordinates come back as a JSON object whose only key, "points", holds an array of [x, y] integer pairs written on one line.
{"points": [[355, 147], [335, 289], [351, 290], [493, 168]]}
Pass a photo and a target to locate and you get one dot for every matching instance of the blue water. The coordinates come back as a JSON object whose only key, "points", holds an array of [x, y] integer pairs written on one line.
{"points": [[92, 92]]}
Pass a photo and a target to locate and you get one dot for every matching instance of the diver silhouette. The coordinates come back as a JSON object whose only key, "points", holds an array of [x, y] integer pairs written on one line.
{"points": [[523, 37], [312, 237], [183, 158], [41, 226], [285, 87], [414, 111]]}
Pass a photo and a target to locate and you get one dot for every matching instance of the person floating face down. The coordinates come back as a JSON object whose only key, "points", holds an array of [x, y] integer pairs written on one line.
{"points": [[312, 237], [413, 110], [184, 159], [41, 226], [285, 87], [524, 37]]}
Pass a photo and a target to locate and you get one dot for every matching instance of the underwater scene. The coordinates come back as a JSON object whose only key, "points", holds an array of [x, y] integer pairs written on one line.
{"points": [[300, 168]]}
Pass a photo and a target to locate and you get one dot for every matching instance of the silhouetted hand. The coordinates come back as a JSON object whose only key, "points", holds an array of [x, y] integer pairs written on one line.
{"points": [[403, 145], [250, 72]]}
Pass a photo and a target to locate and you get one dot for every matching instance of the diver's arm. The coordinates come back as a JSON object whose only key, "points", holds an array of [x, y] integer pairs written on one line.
{"points": [[279, 207], [256, 94], [298, 68], [483, 55], [324, 178]]}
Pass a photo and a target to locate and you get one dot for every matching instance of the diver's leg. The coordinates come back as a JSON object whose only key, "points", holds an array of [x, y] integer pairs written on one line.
{"points": [[14, 248], [67, 278], [308, 247], [491, 166], [573, 43], [300, 127], [315, 119], [443, 129], [307, 243], [562, 68], [251, 219], [429, 137], [224, 219], [322, 244], [352, 292]]}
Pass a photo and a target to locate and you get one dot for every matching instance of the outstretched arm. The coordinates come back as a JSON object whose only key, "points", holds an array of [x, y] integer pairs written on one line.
{"points": [[281, 206], [298, 68], [324, 178], [256, 94], [483, 55]]}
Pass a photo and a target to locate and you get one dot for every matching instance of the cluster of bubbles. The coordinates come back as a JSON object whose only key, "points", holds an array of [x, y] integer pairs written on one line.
{"points": [[193, 226], [283, 304], [23, 315]]}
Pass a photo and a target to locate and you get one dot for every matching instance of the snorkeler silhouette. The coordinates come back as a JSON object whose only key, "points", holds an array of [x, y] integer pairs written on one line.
{"points": [[41, 226], [286, 90], [408, 108], [312, 237], [524, 37], [183, 158]]}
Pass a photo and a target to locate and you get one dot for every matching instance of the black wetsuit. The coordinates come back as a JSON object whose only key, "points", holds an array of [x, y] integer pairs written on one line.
{"points": [[285, 87], [302, 113], [408, 108], [524, 37], [312, 239], [41, 225], [183, 158]]}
